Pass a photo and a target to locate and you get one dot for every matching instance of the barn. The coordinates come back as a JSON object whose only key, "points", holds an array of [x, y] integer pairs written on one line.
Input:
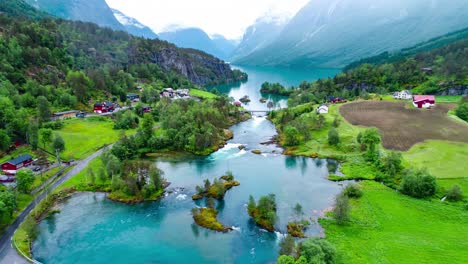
{"points": [[423, 101], [10, 167]]}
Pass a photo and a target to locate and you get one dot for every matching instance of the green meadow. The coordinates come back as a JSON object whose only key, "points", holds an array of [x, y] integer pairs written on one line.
{"points": [[388, 227]]}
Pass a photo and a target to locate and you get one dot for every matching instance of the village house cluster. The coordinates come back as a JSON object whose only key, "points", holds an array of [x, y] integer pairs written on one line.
{"points": [[175, 94], [419, 101]]}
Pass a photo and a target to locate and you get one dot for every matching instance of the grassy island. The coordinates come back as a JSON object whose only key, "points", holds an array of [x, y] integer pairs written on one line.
{"points": [[263, 213], [217, 189], [206, 217]]}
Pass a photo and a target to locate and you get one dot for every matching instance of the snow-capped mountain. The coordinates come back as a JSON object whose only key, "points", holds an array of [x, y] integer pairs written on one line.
{"points": [[333, 33], [133, 26]]}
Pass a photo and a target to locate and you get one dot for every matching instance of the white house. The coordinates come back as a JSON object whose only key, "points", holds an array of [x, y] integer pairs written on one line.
{"points": [[323, 109], [403, 95]]}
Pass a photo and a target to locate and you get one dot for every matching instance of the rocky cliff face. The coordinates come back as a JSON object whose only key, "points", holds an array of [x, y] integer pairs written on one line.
{"points": [[198, 67], [454, 90]]}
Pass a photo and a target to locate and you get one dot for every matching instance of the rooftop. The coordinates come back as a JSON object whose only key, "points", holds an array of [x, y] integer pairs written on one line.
{"points": [[418, 98], [20, 159]]}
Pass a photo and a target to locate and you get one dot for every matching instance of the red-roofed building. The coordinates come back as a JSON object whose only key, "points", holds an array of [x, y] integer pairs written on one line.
{"points": [[423, 101]]}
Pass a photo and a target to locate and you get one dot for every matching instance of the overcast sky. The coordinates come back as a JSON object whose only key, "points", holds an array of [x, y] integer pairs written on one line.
{"points": [[226, 17]]}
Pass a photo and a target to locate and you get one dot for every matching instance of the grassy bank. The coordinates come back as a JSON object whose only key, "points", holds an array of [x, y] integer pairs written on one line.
{"points": [[388, 227]]}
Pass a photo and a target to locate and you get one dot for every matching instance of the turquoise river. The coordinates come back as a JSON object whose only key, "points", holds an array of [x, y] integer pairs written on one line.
{"points": [[91, 229]]}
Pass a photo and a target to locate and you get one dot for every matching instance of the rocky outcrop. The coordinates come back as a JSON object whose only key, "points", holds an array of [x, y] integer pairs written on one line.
{"points": [[454, 90], [199, 67]]}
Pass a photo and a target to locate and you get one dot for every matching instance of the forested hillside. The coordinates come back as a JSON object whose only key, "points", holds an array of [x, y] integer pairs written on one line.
{"points": [[49, 64], [439, 71]]}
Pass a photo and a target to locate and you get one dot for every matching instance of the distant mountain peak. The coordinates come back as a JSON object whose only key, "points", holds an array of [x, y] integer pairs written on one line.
{"points": [[125, 20], [133, 26]]}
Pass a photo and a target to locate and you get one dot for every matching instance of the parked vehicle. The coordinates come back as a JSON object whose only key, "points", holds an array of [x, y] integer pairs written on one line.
{"points": [[81, 114], [37, 168]]}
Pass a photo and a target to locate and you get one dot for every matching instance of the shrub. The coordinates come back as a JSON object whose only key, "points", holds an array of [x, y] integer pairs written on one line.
{"points": [[342, 209], [54, 125], [352, 190], [455, 194], [462, 111], [391, 164], [317, 250], [418, 183], [333, 137], [291, 136], [287, 246]]}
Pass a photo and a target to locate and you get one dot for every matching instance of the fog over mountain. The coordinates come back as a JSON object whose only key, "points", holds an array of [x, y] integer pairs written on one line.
{"points": [[259, 35], [333, 33], [196, 38]]}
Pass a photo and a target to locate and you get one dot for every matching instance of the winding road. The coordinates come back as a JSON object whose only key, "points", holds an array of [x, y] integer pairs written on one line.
{"points": [[7, 253]]}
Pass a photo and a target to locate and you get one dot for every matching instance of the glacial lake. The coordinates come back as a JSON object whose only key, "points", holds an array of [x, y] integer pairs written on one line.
{"points": [[92, 229], [258, 75]]}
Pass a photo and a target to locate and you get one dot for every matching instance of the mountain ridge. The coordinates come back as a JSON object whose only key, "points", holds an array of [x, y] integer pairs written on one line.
{"points": [[334, 34]]}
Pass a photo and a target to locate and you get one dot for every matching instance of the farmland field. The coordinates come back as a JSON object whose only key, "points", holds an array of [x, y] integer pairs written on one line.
{"points": [[403, 127]]}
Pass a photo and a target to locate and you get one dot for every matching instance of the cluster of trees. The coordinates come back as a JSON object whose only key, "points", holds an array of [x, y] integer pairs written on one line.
{"points": [[311, 251], [133, 179], [185, 125], [276, 88], [194, 126], [297, 125], [263, 212], [448, 64], [9, 196], [138, 178]]}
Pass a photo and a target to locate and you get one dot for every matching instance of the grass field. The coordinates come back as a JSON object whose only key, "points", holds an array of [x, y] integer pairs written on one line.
{"points": [[82, 177], [202, 94], [446, 184], [448, 98], [387, 227], [84, 136], [443, 159], [403, 127]]}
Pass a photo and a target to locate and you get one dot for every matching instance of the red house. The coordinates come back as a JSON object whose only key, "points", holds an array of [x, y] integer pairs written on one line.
{"points": [[146, 109], [335, 100], [10, 167], [423, 101], [105, 107]]}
